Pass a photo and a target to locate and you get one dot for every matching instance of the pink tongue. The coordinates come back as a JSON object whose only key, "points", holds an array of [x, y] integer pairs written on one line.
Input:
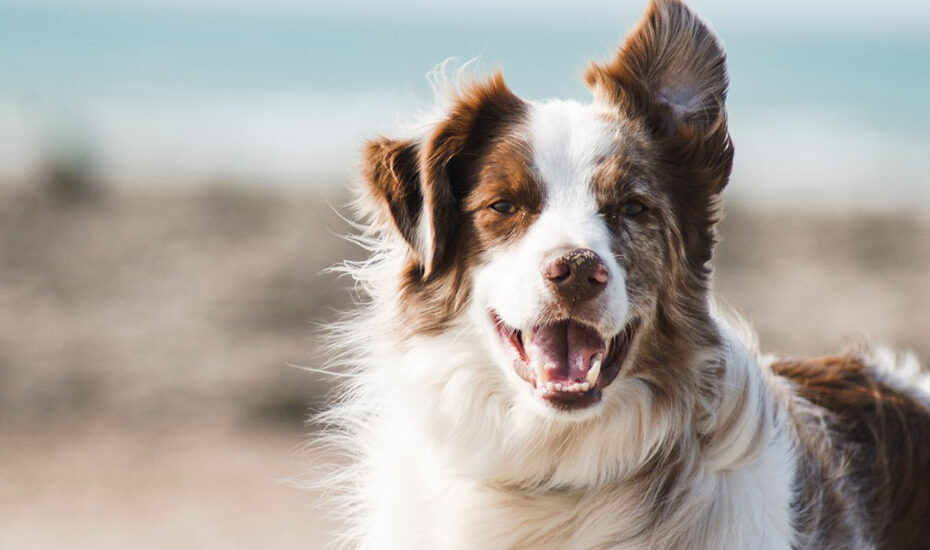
{"points": [[564, 349]]}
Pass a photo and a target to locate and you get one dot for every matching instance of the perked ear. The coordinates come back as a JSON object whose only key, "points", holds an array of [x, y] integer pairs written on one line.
{"points": [[419, 185], [671, 71]]}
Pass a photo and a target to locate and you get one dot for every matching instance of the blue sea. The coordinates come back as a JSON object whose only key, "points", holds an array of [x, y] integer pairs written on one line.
{"points": [[183, 96]]}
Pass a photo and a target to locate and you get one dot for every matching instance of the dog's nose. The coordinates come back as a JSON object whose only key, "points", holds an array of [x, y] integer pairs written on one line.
{"points": [[577, 275]]}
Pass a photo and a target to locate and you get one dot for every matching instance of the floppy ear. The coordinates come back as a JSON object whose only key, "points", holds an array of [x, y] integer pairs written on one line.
{"points": [[671, 73], [420, 185], [392, 174]]}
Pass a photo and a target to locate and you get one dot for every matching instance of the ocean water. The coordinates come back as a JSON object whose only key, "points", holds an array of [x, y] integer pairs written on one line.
{"points": [[184, 96]]}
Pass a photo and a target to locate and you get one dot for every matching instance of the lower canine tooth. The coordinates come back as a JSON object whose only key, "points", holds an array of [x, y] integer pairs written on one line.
{"points": [[595, 371], [542, 375]]}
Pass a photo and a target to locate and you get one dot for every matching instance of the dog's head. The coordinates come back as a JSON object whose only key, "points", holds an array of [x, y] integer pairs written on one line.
{"points": [[575, 237]]}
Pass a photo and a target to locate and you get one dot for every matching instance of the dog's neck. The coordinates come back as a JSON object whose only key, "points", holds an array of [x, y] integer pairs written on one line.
{"points": [[457, 453], [656, 497]]}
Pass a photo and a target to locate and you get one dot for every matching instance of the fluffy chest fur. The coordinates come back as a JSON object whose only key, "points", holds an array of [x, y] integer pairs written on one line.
{"points": [[461, 487]]}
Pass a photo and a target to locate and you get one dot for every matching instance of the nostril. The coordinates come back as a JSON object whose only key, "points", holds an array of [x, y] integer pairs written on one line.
{"points": [[599, 275], [557, 271]]}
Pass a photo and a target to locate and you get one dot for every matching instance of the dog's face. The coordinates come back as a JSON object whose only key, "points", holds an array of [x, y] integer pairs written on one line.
{"points": [[574, 237], [569, 224]]}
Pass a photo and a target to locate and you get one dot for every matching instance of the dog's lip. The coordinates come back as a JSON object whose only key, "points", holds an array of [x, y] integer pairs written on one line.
{"points": [[574, 394]]}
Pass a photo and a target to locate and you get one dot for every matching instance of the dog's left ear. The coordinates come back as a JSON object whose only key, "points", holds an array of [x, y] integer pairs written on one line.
{"points": [[671, 73]]}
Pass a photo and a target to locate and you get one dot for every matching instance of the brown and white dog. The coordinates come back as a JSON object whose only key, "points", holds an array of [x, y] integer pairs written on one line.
{"points": [[539, 363]]}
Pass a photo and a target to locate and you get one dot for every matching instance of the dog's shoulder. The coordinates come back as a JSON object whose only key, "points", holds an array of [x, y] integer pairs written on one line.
{"points": [[877, 409], [861, 388]]}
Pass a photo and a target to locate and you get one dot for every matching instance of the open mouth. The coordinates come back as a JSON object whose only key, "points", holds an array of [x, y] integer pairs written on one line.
{"points": [[567, 362]]}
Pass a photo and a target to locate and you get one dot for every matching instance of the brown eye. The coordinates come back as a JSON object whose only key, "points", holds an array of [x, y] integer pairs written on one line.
{"points": [[504, 207], [632, 208]]}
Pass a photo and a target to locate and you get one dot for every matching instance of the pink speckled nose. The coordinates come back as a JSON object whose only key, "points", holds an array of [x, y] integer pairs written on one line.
{"points": [[577, 274]]}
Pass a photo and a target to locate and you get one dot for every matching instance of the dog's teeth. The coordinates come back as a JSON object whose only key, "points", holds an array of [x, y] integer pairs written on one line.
{"points": [[576, 387], [595, 371]]}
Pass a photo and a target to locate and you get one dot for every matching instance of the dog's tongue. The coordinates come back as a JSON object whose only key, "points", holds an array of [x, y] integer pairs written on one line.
{"points": [[563, 349]]}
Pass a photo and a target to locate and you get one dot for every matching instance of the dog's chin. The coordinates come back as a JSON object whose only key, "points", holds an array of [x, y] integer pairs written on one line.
{"points": [[566, 363]]}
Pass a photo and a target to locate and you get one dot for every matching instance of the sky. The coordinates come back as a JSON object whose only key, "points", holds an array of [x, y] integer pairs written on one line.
{"points": [[843, 12], [826, 97]]}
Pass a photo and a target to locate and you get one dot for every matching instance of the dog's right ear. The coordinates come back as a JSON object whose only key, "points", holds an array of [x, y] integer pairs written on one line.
{"points": [[391, 171], [419, 186]]}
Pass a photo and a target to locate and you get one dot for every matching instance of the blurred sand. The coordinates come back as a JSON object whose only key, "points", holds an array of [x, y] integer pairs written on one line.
{"points": [[185, 490], [145, 394]]}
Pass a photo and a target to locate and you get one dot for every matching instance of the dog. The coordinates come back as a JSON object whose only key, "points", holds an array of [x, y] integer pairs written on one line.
{"points": [[538, 362]]}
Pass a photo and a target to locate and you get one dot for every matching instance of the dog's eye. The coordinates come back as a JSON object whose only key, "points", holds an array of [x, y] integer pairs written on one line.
{"points": [[632, 208], [504, 207]]}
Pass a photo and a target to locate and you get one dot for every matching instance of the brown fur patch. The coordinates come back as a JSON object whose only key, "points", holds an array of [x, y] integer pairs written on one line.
{"points": [[880, 446], [452, 159], [440, 176], [505, 176]]}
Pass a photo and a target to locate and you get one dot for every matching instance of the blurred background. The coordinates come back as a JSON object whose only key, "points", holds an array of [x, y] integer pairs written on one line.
{"points": [[170, 177]]}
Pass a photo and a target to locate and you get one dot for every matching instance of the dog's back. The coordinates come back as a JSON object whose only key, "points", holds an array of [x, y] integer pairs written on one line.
{"points": [[877, 457]]}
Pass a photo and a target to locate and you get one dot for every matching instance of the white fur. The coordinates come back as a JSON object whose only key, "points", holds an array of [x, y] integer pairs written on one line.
{"points": [[901, 371]]}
